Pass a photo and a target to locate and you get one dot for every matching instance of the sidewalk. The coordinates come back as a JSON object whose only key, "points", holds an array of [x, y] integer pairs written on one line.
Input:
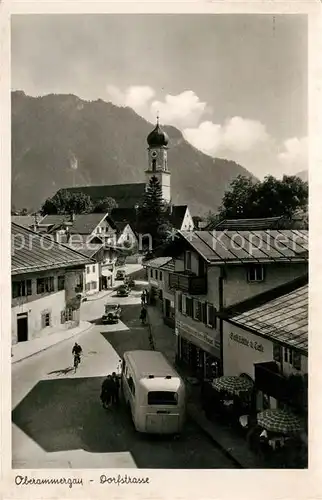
{"points": [[232, 444], [24, 350]]}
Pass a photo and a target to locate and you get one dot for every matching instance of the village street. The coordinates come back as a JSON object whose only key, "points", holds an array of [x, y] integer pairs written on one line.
{"points": [[58, 420]]}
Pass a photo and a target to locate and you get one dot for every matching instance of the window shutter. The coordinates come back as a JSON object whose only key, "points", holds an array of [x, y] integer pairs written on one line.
{"points": [[29, 291], [277, 353], [214, 316], [62, 317], [204, 312], [180, 302], [189, 303], [43, 320]]}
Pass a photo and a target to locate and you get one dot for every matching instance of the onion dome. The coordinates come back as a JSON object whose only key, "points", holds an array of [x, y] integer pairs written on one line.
{"points": [[157, 137]]}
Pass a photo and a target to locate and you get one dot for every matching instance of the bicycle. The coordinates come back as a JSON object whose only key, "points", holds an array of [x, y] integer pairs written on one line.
{"points": [[76, 361]]}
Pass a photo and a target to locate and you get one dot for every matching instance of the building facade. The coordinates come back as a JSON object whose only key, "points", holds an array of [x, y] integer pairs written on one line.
{"points": [[209, 277], [46, 278]]}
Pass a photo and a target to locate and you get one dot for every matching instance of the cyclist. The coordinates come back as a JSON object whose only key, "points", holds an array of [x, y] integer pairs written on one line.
{"points": [[77, 351]]}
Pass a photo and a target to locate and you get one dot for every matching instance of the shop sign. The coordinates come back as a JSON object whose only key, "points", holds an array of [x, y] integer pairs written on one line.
{"points": [[195, 333], [246, 342]]}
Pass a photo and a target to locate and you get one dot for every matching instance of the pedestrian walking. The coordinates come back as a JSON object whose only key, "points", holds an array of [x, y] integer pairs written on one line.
{"points": [[143, 315], [115, 388], [143, 298], [146, 293], [106, 392]]}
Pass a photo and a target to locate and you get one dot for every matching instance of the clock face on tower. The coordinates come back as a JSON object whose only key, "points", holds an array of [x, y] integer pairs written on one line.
{"points": [[154, 154]]}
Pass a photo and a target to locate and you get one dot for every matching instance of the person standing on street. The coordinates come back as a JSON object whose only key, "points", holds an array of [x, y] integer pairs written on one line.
{"points": [[106, 391], [116, 388], [143, 315], [143, 298]]}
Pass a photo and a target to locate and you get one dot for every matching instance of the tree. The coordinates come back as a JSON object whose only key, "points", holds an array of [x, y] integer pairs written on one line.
{"points": [[153, 214], [271, 197], [64, 202], [105, 205]]}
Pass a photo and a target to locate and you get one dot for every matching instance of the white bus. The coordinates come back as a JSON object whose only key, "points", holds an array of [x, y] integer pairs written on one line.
{"points": [[154, 392]]}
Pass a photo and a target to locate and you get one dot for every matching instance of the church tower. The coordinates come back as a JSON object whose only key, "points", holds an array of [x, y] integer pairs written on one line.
{"points": [[158, 161]]}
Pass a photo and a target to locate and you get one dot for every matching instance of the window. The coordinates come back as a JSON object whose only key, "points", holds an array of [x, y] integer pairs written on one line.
{"points": [[21, 288], [189, 307], [154, 164], [151, 273], [211, 319], [94, 285], [197, 310], [297, 360], [277, 353], [61, 282], [93, 269], [88, 269], [45, 285], [156, 274], [188, 261], [45, 319], [131, 384], [288, 355], [62, 317], [255, 272], [162, 398], [87, 287], [160, 275]]}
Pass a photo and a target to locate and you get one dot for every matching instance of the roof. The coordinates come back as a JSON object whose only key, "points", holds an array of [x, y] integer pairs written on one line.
{"points": [[32, 252], [86, 223], [220, 247], [54, 219], [151, 363], [87, 249], [120, 226], [245, 224], [177, 215], [125, 195], [168, 266], [157, 262], [284, 318], [24, 220]]}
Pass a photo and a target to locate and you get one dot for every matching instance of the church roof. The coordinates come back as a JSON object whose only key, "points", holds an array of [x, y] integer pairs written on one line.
{"points": [[157, 137], [125, 195]]}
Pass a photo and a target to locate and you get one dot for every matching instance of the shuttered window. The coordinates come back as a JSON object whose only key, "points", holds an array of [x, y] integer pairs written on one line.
{"points": [[179, 295], [197, 310], [45, 319]]}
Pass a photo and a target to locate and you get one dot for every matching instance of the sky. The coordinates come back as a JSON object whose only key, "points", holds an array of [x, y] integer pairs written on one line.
{"points": [[235, 85]]}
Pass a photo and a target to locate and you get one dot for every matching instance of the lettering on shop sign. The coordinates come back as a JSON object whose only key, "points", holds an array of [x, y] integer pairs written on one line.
{"points": [[191, 331], [248, 343]]}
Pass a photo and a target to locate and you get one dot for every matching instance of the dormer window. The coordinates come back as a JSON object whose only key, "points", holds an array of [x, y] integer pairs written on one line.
{"points": [[255, 273]]}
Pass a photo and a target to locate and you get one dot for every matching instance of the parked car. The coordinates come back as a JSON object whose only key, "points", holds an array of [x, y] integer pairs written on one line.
{"points": [[120, 274], [81, 296], [112, 313], [123, 291], [129, 282]]}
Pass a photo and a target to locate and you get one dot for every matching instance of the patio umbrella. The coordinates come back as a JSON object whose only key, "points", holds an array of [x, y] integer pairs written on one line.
{"points": [[233, 384], [278, 420]]}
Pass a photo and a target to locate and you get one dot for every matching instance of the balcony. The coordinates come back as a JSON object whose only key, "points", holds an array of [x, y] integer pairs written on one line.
{"points": [[188, 283]]}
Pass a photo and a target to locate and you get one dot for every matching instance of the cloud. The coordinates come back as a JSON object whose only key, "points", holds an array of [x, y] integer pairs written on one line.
{"points": [[181, 110], [236, 134], [294, 155], [136, 97]]}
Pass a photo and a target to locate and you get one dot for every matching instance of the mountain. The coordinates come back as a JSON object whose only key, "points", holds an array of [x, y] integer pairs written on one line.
{"points": [[303, 175], [61, 141]]}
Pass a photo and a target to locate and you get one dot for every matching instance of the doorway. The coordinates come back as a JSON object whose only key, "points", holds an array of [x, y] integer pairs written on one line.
{"points": [[22, 327], [167, 306]]}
